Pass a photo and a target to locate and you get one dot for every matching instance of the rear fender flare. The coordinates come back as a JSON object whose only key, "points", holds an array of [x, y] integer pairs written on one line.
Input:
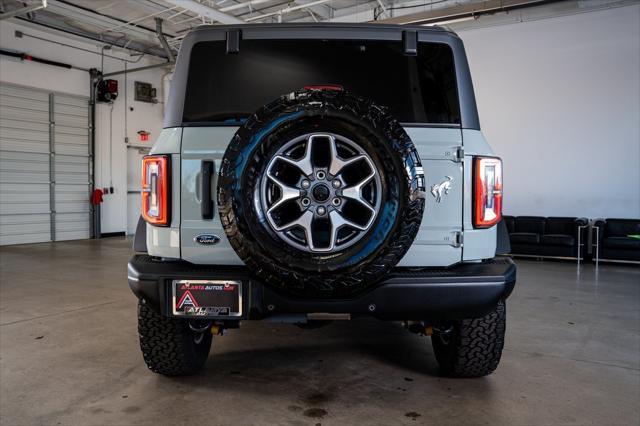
{"points": [[140, 237]]}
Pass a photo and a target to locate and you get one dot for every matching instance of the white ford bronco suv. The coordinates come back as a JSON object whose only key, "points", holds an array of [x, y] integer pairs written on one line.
{"points": [[316, 172]]}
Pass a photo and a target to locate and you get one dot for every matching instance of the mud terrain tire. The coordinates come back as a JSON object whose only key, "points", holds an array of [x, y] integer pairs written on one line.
{"points": [[168, 345], [473, 347]]}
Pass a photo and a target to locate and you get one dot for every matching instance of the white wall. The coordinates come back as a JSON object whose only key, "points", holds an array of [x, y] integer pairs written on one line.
{"points": [[559, 101], [144, 116]]}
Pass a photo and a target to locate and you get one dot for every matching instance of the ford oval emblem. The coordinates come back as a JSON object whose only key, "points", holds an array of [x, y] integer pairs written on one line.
{"points": [[207, 239]]}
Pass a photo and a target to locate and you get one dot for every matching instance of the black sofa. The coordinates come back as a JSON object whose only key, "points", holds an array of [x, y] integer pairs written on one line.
{"points": [[546, 236], [614, 241]]}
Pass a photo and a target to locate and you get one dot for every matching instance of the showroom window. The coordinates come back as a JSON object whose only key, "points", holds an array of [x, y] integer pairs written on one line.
{"points": [[229, 87]]}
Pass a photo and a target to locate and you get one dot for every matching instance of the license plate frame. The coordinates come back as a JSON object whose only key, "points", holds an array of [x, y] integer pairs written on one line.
{"points": [[185, 294]]}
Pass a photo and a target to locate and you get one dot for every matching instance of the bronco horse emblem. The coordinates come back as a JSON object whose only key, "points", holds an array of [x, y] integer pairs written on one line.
{"points": [[441, 188]]}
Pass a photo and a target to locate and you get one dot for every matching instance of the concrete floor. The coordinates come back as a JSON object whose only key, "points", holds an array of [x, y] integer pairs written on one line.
{"points": [[69, 355]]}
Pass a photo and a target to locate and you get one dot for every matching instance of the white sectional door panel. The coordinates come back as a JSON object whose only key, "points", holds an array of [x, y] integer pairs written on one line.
{"points": [[44, 166], [71, 167]]}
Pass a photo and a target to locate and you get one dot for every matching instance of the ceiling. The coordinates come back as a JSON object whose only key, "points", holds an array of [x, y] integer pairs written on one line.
{"points": [[132, 23]]}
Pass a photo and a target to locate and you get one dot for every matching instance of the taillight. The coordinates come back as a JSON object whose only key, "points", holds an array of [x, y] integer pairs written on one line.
{"points": [[487, 191], [324, 87], [155, 189]]}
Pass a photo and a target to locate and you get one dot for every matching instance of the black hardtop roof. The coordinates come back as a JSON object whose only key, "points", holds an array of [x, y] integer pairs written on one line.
{"points": [[319, 29], [326, 26]]}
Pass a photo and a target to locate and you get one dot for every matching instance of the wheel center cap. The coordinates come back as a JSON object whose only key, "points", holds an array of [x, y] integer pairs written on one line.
{"points": [[321, 193]]}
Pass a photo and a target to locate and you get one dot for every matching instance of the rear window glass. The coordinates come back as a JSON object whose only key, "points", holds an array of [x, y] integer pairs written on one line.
{"points": [[225, 87]]}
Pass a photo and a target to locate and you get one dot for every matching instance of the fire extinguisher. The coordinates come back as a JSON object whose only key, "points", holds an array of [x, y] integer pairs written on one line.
{"points": [[96, 198]]}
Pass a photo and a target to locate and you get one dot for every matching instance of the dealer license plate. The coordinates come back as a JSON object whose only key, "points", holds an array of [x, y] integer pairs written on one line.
{"points": [[207, 298]]}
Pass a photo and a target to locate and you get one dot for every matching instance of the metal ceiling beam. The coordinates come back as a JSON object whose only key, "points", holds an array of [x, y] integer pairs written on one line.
{"points": [[129, 71], [22, 11], [259, 10], [462, 11], [142, 18], [99, 21], [248, 4], [354, 9], [206, 11], [288, 9], [320, 10], [53, 21], [384, 9]]}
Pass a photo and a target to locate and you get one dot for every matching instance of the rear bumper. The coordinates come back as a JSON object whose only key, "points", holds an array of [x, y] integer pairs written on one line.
{"points": [[466, 290]]}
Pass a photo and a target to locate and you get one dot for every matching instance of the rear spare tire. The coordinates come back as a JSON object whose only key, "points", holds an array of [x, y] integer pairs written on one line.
{"points": [[321, 193]]}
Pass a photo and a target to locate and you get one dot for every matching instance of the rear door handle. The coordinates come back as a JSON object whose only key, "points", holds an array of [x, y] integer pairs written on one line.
{"points": [[206, 206]]}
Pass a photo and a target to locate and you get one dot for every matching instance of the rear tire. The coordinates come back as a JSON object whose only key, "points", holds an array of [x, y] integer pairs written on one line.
{"points": [[168, 345], [472, 347]]}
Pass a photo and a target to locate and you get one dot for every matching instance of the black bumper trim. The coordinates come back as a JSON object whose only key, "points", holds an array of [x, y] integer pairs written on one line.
{"points": [[465, 290]]}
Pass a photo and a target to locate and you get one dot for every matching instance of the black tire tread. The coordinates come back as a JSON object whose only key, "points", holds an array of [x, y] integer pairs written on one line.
{"points": [[167, 344], [476, 345]]}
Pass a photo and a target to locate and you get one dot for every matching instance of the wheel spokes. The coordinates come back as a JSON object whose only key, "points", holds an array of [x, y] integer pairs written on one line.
{"points": [[304, 164], [337, 163], [338, 221], [287, 192], [325, 201], [354, 192], [304, 221]]}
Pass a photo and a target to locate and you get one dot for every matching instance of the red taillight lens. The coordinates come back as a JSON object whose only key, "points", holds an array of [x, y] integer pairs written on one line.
{"points": [[155, 189], [487, 191], [324, 87]]}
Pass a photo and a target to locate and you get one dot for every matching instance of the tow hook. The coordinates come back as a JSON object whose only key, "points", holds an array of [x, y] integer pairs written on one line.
{"points": [[444, 330], [217, 330], [444, 334], [419, 327], [199, 328]]}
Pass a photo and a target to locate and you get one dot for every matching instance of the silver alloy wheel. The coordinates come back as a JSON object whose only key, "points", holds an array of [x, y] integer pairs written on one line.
{"points": [[321, 192]]}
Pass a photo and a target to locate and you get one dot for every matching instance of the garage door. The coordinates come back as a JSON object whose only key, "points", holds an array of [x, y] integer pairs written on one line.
{"points": [[44, 166], [71, 166]]}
